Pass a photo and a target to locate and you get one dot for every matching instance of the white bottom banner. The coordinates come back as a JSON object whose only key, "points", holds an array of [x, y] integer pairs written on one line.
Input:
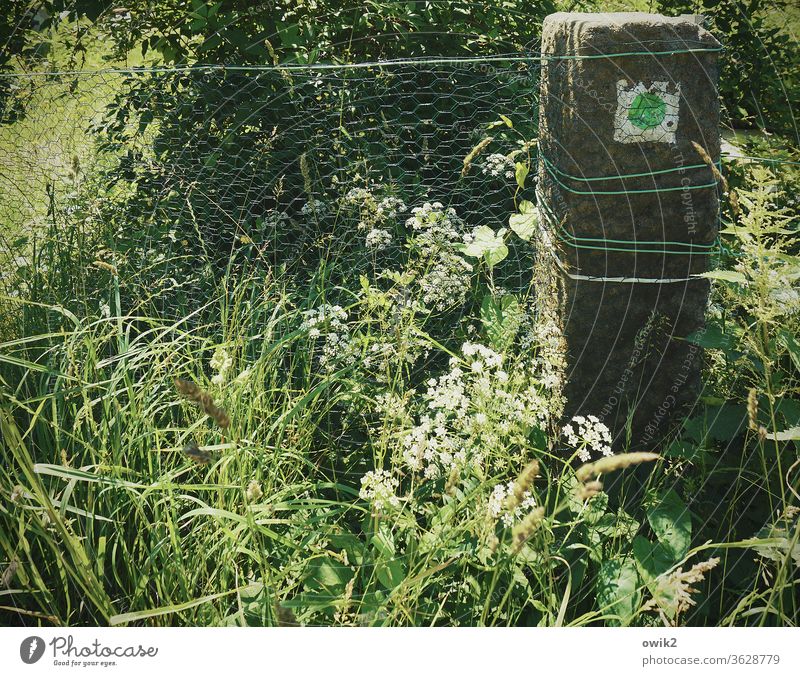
{"points": [[398, 651]]}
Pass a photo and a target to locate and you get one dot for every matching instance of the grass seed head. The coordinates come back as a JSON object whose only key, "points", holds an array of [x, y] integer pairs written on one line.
{"points": [[9, 573], [285, 617], [254, 492], [477, 150], [527, 527], [613, 463], [522, 485], [195, 394], [452, 481], [752, 409], [589, 490], [197, 454]]}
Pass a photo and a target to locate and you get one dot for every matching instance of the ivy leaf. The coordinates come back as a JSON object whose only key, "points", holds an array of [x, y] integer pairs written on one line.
{"points": [[524, 223], [487, 244], [617, 589]]}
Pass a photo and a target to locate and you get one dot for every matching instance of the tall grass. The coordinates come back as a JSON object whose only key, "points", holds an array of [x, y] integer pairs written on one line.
{"points": [[385, 443]]}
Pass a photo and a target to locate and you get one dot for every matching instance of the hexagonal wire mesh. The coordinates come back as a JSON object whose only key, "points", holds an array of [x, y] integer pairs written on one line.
{"points": [[192, 165]]}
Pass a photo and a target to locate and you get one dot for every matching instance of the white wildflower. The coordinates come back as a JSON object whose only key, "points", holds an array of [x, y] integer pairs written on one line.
{"points": [[379, 488], [330, 322], [315, 207], [390, 207], [378, 239], [497, 165], [586, 434], [498, 501]]}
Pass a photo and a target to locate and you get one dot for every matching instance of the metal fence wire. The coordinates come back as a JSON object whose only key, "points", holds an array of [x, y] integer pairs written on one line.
{"points": [[192, 165]]}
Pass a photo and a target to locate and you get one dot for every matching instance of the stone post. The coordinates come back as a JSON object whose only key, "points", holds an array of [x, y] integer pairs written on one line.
{"points": [[628, 208]]}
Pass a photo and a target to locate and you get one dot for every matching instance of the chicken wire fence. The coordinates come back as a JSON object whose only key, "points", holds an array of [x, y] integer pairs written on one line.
{"points": [[287, 166]]}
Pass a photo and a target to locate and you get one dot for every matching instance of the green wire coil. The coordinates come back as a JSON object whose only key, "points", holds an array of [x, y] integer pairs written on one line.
{"points": [[555, 172], [630, 246]]}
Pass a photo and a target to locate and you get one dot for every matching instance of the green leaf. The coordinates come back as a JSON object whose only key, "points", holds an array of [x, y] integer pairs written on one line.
{"points": [[501, 318], [594, 509], [671, 522], [725, 276], [351, 545], [653, 560], [726, 422], [384, 544], [390, 573], [686, 450], [792, 434], [620, 525], [115, 620], [617, 589], [499, 123], [389, 570], [713, 337], [487, 244], [521, 173], [524, 223], [791, 345], [328, 575]]}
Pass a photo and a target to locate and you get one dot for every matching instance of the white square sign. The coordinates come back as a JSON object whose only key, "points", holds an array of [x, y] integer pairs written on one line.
{"points": [[647, 112]]}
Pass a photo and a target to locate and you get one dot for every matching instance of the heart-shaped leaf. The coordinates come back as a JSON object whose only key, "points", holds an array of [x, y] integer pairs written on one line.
{"points": [[524, 223], [487, 244]]}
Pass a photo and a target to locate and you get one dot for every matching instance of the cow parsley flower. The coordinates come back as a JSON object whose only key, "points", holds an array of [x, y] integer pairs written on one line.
{"points": [[379, 488], [315, 207], [590, 435], [498, 501], [471, 410], [358, 196], [497, 165], [378, 239], [445, 275], [330, 322], [390, 207]]}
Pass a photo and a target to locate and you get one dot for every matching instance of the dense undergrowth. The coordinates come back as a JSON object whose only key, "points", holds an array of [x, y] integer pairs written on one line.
{"points": [[360, 424], [382, 444]]}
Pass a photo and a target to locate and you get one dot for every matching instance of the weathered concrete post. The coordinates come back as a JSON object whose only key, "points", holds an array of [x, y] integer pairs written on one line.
{"points": [[628, 207]]}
